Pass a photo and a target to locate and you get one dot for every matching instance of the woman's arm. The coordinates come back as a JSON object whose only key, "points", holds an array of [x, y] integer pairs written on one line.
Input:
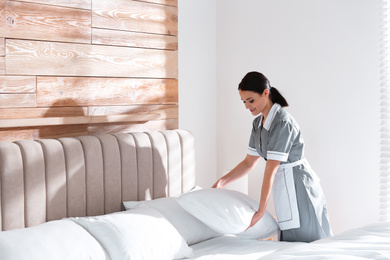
{"points": [[268, 180], [242, 169]]}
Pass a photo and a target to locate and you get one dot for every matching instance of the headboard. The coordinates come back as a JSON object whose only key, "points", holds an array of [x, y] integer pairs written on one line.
{"points": [[50, 179]]}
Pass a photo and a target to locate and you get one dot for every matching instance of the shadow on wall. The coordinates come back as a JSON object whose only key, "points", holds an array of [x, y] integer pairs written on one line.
{"points": [[63, 130]]}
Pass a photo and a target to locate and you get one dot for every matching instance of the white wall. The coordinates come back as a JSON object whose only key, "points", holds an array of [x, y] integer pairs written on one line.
{"points": [[324, 57], [197, 82]]}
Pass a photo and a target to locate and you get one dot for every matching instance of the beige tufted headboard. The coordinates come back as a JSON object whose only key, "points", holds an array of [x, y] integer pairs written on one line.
{"points": [[50, 179]]}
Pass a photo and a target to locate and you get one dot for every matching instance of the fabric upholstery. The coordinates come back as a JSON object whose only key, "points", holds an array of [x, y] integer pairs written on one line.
{"points": [[49, 179]]}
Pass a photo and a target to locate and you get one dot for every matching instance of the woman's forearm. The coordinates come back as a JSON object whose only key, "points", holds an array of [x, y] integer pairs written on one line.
{"points": [[242, 169], [268, 180]]}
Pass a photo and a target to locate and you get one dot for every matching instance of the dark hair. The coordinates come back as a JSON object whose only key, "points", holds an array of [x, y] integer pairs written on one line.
{"points": [[257, 82]]}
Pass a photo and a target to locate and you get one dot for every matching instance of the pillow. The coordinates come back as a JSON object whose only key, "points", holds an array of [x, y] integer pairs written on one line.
{"points": [[141, 233], [228, 212], [190, 228], [59, 239]]}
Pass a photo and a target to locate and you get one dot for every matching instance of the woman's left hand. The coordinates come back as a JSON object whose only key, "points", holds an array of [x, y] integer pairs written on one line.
{"points": [[256, 217]]}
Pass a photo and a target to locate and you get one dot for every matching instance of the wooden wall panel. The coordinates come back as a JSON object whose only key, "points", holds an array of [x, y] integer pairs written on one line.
{"points": [[72, 91], [82, 4], [138, 127], [44, 22], [163, 2], [17, 100], [50, 58], [2, 65], [2, 46], [134, 16], [19, 113], [166, 111], [17, 84], [89, 59], [134, 39]]}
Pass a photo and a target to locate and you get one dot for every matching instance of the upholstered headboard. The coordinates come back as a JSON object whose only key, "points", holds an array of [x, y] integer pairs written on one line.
{"points": [[50, 179]]}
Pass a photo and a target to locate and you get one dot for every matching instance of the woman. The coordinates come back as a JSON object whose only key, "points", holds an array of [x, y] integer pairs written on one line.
{"points": [[300, 205]]}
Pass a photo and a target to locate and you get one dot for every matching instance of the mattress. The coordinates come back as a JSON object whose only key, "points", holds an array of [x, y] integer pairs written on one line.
{"points": [[368, 242]]}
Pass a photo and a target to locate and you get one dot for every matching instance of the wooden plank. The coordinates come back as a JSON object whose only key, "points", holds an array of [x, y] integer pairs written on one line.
{"points": [[155, 125], [44, 22], [134, 16], [9, 135], [71, 91], [165, 111], [133, 39], [14, 113], [2, 65], [76, 120], [32, 133], [162, 2], [82, 4], [17, 84], [17, 100], [2, 46], [64, 59]]}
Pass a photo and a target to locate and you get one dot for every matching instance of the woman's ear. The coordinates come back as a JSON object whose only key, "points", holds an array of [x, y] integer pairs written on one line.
{"points": [[266, 92]]}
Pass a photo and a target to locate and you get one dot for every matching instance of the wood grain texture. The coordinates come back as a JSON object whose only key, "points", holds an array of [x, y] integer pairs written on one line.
{"points": [[155, 125], [82, 4], [76, 120], [163, 2], [55, 63], [17, 84], [31, 133], [72, 91], [17, 100], [44, 22], [134, 16], [2, 46], [2, 65], [15, 113], [133, 39], [165, 111], [49, 58]]}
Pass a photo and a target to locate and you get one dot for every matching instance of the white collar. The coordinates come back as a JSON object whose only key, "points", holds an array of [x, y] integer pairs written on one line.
{"points": [[271, 115]]}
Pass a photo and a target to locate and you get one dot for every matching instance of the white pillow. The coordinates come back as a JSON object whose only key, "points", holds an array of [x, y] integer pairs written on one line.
{"points": [[228, 212], [141, 233], [59, 239], [191, 229]]}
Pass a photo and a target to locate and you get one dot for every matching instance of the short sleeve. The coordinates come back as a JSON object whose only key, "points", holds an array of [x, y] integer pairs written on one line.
{"points": [[252, 140], [280, 141]]}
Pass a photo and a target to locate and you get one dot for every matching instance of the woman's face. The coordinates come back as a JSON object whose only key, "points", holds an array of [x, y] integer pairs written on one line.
{"points": [[255, 102]]}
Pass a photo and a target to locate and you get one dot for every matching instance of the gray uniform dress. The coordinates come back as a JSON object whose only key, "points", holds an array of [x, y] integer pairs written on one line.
{"points": [[300, 204]]}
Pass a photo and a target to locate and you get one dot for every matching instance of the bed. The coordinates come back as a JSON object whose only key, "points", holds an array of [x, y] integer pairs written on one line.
{"points": [[133, 196]]}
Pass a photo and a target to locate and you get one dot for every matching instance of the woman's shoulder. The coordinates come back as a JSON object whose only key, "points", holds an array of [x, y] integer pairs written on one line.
{"points": [[283, 117]]}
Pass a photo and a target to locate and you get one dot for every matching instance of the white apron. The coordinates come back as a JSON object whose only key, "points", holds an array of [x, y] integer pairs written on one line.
{"points": [[284, 194]]}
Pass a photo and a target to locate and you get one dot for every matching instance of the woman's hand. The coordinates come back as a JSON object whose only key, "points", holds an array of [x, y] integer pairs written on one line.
{"points": [[242, 169], [256, 217], [218, 184]]}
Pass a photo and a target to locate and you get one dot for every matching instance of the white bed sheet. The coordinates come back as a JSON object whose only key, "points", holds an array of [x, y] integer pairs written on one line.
{"points": [[368, 242], [232, 247]]}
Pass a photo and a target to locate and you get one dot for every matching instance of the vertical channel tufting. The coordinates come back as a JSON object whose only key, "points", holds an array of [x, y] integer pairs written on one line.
{"points": [[94, 178], [112, 173], [144, 166], [34, 182], [53, 153], [188, 159], [160, 164], [128, 157], [174, 162], [11, 186], [75, 177]]}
